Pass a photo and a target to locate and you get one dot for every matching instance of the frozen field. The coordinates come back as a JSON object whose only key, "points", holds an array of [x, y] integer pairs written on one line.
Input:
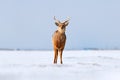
{"points": [[77, 65]]}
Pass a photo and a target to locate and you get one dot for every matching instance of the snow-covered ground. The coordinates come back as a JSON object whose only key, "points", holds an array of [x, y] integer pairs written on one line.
{"points": [[78, 65]]}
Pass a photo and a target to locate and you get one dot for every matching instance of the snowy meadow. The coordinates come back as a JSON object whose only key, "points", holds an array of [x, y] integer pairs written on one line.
{"points": [[77, 65]]}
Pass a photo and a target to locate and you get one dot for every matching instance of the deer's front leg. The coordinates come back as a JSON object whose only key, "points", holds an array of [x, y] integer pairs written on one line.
{"points": [[60, 53], [55, 56]]}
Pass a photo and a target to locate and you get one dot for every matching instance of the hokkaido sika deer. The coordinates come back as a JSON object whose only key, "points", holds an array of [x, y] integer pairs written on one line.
{"points": [[59, 39]]}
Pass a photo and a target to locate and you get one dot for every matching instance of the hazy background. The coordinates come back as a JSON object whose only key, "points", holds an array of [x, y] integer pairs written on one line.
{"points": [[29, 24]]}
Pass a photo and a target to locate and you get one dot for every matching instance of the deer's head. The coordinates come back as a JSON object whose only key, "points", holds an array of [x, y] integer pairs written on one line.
{"points": [[61, 25]]}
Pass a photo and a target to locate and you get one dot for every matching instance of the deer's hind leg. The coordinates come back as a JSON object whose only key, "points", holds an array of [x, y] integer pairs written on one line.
{"points": [[55, 56]]}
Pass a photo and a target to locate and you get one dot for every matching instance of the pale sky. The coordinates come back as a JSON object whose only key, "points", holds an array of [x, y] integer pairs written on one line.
{"points": [[29, 24]]}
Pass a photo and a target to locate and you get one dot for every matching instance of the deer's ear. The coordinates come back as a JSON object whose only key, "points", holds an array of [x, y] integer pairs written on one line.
{"points": [[66, 23], [56, 23]]}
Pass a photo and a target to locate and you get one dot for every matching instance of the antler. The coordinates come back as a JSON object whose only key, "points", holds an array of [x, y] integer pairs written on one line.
{"points": [[56, 20], [67, 19]]}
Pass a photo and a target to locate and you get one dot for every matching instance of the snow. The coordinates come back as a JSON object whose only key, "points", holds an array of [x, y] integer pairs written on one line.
{"points": [[77, 65]]}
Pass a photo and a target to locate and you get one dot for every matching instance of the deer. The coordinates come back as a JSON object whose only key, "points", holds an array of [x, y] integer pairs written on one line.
{"points": [[59, 39]]}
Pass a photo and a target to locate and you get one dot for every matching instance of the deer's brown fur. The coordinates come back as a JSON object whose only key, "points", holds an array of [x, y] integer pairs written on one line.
{"points": [[59, 39]]}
